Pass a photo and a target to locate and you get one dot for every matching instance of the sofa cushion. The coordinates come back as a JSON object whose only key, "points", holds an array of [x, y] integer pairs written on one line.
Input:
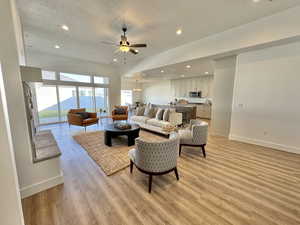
{"points": [[90, 121], [185, 136], [157, 123], [139, 119]]}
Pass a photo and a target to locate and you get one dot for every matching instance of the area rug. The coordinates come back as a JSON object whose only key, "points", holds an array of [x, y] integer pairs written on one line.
{"points": [[110, 159]]}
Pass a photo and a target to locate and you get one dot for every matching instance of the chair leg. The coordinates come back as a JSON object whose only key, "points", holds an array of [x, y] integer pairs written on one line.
{"points": [[176, 173], [84, 128], [150, 182], [203, 150], [180, 149], [131, 166]]}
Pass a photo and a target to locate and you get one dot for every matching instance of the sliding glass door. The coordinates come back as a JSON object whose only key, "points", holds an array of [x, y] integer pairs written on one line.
{"points": [[54, 101], [67, 100], [46, 98], [86, 98], [101, 100]]}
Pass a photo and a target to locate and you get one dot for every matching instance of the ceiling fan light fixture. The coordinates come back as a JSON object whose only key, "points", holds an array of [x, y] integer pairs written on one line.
{"points": [[124, 48]]}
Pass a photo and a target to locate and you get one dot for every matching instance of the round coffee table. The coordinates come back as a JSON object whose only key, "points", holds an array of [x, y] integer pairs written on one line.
{"points": [[111, 131]]}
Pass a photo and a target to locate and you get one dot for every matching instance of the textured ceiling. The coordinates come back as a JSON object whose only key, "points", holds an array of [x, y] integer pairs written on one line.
{"points": [[151, 21]]}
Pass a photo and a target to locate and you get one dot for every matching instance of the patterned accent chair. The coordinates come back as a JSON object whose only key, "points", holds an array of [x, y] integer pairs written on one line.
{"points": [[76, 119], [155, 158], [195, 135], [120, 113]]}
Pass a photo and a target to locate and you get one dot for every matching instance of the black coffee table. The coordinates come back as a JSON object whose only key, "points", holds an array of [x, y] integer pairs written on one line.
{"points": [[111, 131]]}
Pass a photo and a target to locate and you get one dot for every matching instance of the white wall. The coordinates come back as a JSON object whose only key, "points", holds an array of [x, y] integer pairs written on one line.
{"points": [[276, 29], [10, 203], [222, 95], [32, 177], [266, 105], [157, 92], [72, 65]]}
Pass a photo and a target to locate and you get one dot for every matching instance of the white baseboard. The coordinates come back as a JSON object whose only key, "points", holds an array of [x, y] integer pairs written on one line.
{"points": [[41, 186], [267, 144]]}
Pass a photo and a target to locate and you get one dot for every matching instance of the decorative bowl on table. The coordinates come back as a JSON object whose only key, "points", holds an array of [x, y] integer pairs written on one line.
{"points": [[122, 126]]}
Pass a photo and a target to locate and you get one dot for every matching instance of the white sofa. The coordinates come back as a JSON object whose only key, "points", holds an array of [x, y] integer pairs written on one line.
{"points": [[155, 125]]}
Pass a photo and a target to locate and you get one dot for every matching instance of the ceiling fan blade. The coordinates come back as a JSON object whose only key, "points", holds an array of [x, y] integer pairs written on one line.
{"points": [[108, 43], [139, 45], [133, 51]]}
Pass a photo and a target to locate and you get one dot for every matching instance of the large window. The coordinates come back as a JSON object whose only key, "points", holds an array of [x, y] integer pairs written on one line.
{"points": [[48, 75], [101, 99], [86, 98], [46, 97], [67, 100], [126, 97], [101, 80], [56, 96], [75, 78]]}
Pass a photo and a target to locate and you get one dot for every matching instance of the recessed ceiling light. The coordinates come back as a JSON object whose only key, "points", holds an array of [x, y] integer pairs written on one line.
{"points": [[188, 66], [115, 60], [179, 31], [182, 75], [65, 27], [206, 72], [56, 46], [256, 1], [136, 50], [162, 71]]}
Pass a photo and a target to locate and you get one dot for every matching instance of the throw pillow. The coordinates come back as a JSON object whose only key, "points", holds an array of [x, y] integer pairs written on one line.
{"points": [[140, 111], [147, 110], [120, 111], [159, 114], [166, 115], [83, 115]]}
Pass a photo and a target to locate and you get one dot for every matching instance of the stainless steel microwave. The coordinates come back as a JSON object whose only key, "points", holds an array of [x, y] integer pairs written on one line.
{"points": [[195, 94]]}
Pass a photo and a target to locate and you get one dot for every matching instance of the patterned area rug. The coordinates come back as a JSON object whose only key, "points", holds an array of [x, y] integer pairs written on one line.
{"points": [[110, 159]]}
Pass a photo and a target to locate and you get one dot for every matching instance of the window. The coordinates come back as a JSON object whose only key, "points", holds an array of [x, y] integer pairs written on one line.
{"points": [[46, 97], [48, 75], [86, 98], [67, 100], [75, 78], [126, 97], [101, 80], [101, 98]]}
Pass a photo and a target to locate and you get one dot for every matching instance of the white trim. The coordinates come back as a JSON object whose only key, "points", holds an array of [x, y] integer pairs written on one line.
{"points": [[286, 148], [41, 186]]}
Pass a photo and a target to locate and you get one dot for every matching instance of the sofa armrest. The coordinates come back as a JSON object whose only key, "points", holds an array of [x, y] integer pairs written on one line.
{"points": [[92, 115], [175, 118]]}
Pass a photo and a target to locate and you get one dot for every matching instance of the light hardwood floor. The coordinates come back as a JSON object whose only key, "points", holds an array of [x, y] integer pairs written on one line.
{"points": [[236, 184]]}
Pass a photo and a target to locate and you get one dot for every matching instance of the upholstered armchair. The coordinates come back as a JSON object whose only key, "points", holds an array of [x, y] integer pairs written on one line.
{"points": [[80, 117], [195, 135], [120, 113], [155, 158]]}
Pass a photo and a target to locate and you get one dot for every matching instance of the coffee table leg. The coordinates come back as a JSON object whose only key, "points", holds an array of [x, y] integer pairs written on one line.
{"points": [[107, 139], [131, 140]]}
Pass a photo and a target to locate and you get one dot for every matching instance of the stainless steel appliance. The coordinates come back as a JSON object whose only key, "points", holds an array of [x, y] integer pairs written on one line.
{"points": [[195, 94]]}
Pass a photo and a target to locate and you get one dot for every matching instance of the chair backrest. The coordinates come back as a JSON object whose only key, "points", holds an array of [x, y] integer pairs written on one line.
{"points": [[157, 156], [72, 111], [199, 131]]}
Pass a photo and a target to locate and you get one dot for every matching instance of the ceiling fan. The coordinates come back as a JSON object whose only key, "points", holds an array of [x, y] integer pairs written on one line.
{"points": [[124, 45]]}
